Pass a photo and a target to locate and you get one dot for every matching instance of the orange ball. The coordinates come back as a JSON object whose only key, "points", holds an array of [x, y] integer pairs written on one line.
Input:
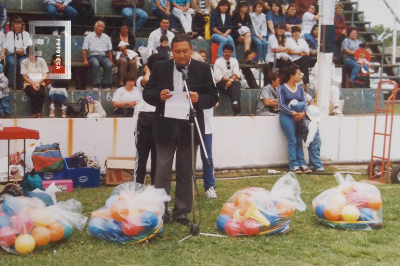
{"points": [[333, 212], [56, 231], [228, 209], [41, 235], [374, 202], [241, 199], [285, 208], [119, 210]]}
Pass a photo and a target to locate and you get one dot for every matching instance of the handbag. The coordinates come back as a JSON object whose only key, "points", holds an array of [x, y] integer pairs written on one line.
{"points": [[78, 109], [47, 158], [146, 119], [58, 83]]}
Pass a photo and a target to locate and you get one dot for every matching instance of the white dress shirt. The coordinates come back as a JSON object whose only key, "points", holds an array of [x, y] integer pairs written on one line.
{"points": [[221, 69], [178, 79], [20, 40], [297, 46], [154, 39], [141, 105]]}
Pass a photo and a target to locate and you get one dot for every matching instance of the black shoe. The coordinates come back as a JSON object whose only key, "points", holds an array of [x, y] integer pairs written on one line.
{"points": [[183, 221], [236, 109], [165, 220]]}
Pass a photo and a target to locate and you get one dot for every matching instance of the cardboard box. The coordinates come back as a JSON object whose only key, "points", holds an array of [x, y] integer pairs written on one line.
{"points": [[119, 170]]}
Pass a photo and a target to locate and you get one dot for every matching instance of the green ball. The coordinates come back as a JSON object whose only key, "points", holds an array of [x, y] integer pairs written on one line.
{"points": [[67, 230]]}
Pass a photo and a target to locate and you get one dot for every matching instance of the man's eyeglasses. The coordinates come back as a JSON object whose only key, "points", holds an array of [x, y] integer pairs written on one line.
{"points": [[228, 64]]}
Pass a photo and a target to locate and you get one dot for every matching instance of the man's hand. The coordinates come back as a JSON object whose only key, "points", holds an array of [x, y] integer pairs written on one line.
{"points": [[185, 9], [61, 7], [228, 84], [131, 103], [164, 95], [20, 52], [260, 38], [86, 63], [168, 13], [194, 96]]}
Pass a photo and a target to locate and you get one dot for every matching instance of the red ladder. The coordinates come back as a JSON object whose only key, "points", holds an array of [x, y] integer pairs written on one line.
{"points": [[384, 164]]}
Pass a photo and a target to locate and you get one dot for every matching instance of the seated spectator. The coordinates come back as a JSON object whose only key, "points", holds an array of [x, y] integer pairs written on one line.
{"points": [[241, 25], [299, 53], [221, 26], [124, 62], [3, 17], [259, 32], [340, 28], [275, 17], [126, 7], [125, 98], [277, 49], [164, 49], [232, 5], [267, 103], [85, 20], [227, 77], [303, 5], [53, 6], [203, 54], [183, 12], [349, 46], [312, 40], [202, 9], [20, 39], [292, 18], [96, 52], [363, 57], [5, 111], [57, 87], [154, 37], [309, 19], [162, 10], [34, 71]]}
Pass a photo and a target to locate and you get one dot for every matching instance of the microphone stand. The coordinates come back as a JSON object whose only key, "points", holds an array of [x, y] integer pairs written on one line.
{"points": [[194, 227]]}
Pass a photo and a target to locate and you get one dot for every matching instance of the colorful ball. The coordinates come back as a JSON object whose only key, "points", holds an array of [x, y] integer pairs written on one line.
{"points": [[119, 210], [271, 214], [24, 243], [350, 213], [23, 223], [338, 199], [241, 199], [366, 214], [7, 236], [114, 228], [374, 202], [221, 221], [232, 227], [11, 206], [319, 211], [285, 208], [5, 222], [149, 219], [356, 199], [41, 217], [97, 226], [228, 209], [67, 230], [41, 235], [56, 231], [131, 226], [332, 212], [250, 227], [237, 216], [134, 213]]}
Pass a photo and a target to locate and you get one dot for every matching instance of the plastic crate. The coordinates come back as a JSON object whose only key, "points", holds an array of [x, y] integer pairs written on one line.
{"points": [[84, 177], [57, 175]]}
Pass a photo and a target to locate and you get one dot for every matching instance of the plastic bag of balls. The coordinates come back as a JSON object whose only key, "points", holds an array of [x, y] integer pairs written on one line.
{"points": [[350, 205], [26, 224], [257, 211], [132, 214]]}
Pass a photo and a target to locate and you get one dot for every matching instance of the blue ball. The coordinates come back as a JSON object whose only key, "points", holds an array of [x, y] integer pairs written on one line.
{"points": [[114, 228], [161, 230], [67, 230], [11, 206], [5, 221], [366, 214], [149, 219], [272, 215], [319, 211], [221, 221], [97, 226]]}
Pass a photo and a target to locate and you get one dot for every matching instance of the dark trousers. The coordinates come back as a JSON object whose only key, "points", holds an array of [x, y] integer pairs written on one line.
{"points": [[144, 144], [233, 93], [85, 20], [303, 64], [79, 74], [124, 112], [37, 98], [280, 65], [183, 191], [198, 24]]}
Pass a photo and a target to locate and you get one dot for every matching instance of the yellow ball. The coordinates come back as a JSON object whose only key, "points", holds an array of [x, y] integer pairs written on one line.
{"points": [[24, 243], [237, 216], [350, 213], [339, 200], [135, 213], [42, 217]]}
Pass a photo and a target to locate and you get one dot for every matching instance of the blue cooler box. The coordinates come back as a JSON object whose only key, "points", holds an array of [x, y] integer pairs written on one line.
{"points": [[56, 175], [84, 177]]}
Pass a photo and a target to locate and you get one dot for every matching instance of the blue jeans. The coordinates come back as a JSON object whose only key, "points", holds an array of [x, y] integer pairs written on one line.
{"points": [[141, 16], [208, 170], [4, 106], [10, 63], [294, 148], [314, 152], [221, 40], [351, 62], [261, 46], [95, 62], [69, 12], [173, 24]]}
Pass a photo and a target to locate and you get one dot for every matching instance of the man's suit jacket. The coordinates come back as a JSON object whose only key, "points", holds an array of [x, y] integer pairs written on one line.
{"points": [[200, 80]]}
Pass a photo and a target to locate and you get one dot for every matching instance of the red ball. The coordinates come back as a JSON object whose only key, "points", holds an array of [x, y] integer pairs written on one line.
{"points": [[357, 199], [250, 227], [232, 227], [131, 226], [7, 236], [23, 223]]}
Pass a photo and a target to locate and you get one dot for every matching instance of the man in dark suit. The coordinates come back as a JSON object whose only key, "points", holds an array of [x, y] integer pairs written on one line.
{"points": [[173, 135]]}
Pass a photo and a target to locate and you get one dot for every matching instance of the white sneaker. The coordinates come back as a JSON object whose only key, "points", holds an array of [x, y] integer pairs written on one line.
{"points": [[337, 112], [259, 62], [211, 193], [95, 88], [55, 32], [363, 70], [107, 89], [200, 38]]}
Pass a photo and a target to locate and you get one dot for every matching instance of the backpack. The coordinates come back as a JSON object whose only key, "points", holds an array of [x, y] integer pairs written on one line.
{"points": [[30, 183], [47, 158]]}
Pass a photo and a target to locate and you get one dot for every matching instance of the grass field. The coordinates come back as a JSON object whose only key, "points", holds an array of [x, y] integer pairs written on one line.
{"points": [[307, 243]]}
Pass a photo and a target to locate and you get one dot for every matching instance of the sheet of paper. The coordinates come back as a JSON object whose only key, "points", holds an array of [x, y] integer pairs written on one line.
{"points": [[208, 112], [177, 106]]}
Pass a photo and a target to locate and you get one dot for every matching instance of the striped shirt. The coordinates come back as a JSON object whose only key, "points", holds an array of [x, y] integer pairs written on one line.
{"points": [[202, 5]]}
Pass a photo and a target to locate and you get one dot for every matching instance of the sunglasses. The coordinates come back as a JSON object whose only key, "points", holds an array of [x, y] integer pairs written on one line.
{"points": [[228, 64]]}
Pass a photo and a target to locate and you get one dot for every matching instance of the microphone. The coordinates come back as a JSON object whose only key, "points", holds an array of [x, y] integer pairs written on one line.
{"points": [[181, 68]]}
